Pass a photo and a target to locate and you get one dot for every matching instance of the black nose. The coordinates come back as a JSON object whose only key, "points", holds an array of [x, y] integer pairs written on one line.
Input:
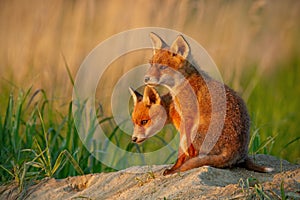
{"points": [[134, 139], [147, 78]]}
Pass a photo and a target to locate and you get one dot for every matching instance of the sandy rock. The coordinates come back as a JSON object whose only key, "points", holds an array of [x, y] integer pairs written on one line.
{"points": [[144, 182]]}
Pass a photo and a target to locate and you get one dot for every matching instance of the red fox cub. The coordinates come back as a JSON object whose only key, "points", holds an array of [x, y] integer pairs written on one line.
{"points": [[151, 112], [198, 106]]}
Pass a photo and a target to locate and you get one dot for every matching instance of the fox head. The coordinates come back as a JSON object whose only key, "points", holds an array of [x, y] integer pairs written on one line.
{"points": [[169, 65], [148, 116]]}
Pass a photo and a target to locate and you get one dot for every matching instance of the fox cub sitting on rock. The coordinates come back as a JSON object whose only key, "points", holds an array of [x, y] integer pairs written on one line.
{"points": [[212, 119]]}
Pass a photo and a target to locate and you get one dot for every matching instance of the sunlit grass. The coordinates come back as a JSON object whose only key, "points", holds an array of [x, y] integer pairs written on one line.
{"points": [[274, 104]]}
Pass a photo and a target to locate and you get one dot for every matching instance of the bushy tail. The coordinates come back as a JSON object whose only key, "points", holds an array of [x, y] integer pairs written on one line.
{"points": [[250, 165]]}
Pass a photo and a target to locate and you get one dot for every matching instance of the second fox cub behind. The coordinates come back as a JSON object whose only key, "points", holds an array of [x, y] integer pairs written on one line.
{"points": [[190, 108]]}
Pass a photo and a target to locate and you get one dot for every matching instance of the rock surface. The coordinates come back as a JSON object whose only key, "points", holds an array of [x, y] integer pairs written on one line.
{"points": [[148, 183]]}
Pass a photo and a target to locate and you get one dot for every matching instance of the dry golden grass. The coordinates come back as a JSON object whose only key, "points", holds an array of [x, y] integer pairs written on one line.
{"points": [[237, 34]]}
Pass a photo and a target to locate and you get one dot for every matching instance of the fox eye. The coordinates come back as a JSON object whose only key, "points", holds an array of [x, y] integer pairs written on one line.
{"points": [[144, 122], [161, 67]]}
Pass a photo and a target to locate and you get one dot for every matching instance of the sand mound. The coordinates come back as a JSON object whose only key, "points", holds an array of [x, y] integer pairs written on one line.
{"points": [[144, 182]]}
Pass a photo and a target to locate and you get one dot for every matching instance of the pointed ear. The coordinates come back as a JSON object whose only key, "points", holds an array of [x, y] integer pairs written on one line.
{"points": [[135, 95], [151, 96], [157, 42], [180, 46]]}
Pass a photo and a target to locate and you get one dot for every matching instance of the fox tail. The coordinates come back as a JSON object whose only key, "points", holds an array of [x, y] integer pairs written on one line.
{"points": [[250, 165]]}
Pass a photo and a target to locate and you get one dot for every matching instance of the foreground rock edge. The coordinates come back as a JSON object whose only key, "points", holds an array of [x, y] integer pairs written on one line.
{"points": [[147, 182]]}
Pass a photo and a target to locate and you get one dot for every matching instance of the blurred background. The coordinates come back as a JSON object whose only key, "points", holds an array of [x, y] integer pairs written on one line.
{"points": [[254, 43]]}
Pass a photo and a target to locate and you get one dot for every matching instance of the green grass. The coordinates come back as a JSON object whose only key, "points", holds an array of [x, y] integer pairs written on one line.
{"points": [[38, 142], [274, 107], [252, 188]]}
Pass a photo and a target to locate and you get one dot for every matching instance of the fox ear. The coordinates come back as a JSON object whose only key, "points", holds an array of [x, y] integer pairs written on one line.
{"points": [[157, 42], [180, 46], [151, 96], [135, 95]]}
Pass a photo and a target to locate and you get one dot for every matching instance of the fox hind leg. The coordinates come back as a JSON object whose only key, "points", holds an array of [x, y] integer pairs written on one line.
{"points": [[181, 160], [177, 165], [220, 161], [182, 157]]}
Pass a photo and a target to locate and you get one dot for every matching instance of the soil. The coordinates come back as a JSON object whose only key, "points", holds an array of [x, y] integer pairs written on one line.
{"points": [[147, 182]]}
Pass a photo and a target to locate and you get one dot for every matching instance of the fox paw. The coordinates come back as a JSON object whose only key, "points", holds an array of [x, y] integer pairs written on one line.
{"points": [[168, 172]]}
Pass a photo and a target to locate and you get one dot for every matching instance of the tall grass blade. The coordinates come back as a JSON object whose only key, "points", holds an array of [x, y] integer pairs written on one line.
{"points": [[8, 121], [59, 162], [282, 192], [252, 139], [16, 124], [68, 69], [73, 162], [264, 144], [41, 157], [289, 143], [5, 169], [48, 160]]}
